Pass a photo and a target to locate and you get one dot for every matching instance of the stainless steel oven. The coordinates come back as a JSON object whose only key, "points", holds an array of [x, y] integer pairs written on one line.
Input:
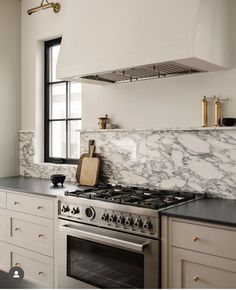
{"points": [[95, 257]]}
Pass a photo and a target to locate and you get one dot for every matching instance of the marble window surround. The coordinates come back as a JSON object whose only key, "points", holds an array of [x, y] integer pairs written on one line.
{"points": [[28, 166], [193, 159]]}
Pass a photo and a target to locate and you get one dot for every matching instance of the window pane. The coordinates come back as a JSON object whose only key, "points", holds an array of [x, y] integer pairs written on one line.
{"points": [[74, 139], [57, 101], [57, 139], [54, 52], [74, 106]]}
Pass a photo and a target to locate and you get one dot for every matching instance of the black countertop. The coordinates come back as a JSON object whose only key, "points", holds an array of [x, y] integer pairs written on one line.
{"points": [[212, 210], [32, 185]]}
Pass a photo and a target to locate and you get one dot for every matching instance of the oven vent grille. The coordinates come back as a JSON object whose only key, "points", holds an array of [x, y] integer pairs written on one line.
{"points": [[159, 70]]}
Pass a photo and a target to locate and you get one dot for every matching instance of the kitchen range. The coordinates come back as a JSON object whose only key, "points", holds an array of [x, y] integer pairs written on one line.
{"points": [[109, 236]]}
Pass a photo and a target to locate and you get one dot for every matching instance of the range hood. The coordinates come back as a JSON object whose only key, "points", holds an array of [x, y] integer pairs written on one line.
{"points": [[112, 41]]}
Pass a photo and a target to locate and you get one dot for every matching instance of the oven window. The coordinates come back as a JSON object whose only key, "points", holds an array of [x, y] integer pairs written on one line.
{"points": [[104, 266]]}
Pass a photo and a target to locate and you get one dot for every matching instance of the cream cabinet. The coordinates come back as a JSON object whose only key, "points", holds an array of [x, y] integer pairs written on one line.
{"points": [[27, 236], [197, 255], [37, 268], [30, 232], [30, 205]]}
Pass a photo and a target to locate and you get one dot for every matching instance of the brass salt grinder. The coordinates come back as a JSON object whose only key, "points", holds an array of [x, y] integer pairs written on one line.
{"points": [[205, 120], [205, 111], [218, 111]]}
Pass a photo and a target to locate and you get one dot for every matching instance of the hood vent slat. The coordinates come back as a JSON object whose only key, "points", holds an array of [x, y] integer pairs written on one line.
{"points": [[159, 70]]}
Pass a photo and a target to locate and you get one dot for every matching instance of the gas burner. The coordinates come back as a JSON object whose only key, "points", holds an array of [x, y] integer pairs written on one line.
{"points": [[133, 196]]}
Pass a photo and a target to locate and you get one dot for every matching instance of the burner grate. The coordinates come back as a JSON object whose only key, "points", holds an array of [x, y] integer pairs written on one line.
{"points": [[133, 196]]}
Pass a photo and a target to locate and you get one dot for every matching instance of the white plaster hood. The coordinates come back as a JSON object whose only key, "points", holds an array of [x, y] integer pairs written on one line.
{"points": [[105, 37]]}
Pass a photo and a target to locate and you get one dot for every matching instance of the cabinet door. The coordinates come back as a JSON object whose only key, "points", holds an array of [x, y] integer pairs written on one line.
{"points": [[30, 232], [38, 269], [4, 257], [2, 224], [191, 269]]}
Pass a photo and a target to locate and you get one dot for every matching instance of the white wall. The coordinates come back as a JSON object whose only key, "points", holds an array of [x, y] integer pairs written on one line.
{"points": [[9, 86], [173, 102], [156, 103], [36, 28]]}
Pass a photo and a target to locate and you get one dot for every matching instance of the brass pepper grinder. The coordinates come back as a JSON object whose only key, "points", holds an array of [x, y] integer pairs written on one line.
{"points": [[205, 122], [218, 112]]}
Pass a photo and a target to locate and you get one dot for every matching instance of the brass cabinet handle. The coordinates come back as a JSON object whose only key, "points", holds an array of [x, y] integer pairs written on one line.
{"points": [[40, 273], [17, 229], [40, 207], [195, 278], [40, 235], [195, 239], [16, 202]]}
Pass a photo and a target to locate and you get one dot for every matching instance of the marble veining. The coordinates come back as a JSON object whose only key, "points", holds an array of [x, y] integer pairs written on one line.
{"points": [[201, 161], [28, 166]]}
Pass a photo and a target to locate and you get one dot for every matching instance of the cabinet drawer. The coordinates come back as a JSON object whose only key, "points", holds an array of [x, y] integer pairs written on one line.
{"points": [[30, 204], [37, 268], [2, 224], [205, 239], [3, 199], [4, 265], [30, 232], [195, 270]]}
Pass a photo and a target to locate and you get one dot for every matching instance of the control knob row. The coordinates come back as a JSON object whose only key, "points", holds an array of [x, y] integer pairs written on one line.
{"points": [[128, 221]]}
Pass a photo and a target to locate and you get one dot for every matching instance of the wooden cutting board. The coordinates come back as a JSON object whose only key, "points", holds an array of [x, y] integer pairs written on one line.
{"points": [[89, 169], [78, 171]]}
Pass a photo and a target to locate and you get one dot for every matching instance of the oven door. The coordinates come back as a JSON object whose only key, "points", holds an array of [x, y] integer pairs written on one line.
{"points": [[93, 257]]}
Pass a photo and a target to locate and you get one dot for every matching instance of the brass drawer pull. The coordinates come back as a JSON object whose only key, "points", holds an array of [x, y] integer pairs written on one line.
{"points": [[40, 207], [41, 236], [16, 202], [195, 278], [195, 239], [40, 273], [17, 229]]}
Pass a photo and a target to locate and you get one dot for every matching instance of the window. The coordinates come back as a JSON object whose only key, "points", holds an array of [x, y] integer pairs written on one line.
{"points": [[62, 111]]}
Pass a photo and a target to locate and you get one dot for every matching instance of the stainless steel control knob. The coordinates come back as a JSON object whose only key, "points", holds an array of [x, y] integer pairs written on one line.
{"points": [[75, 210], [128, 221], [105, 217], [147, 225], [120, 220], [112, 218], [65, 208], [137, 223]]}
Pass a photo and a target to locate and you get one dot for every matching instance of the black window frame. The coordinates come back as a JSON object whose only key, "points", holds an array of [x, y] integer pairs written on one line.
{"points": [[59, 160]]}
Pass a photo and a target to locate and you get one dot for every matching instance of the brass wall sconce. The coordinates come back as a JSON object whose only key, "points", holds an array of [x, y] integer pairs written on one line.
{"points": [[55, 6]]}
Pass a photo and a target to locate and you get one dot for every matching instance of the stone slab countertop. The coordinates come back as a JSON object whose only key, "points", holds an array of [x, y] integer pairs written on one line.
{"points": [[38, 186], [212, 210]]}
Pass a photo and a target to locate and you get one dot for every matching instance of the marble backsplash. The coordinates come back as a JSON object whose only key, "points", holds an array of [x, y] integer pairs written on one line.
{"points": [[28, 166], [198, 160]]}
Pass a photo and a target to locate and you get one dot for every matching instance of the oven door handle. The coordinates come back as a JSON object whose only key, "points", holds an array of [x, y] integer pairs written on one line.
{"points": [[110, 241]]}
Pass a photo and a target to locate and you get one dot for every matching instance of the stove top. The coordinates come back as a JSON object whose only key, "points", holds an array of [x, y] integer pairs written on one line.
{"points": [[133, 196]]}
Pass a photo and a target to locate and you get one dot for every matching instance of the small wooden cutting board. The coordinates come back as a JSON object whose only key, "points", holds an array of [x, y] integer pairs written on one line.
{"points": [[89, 169]]}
